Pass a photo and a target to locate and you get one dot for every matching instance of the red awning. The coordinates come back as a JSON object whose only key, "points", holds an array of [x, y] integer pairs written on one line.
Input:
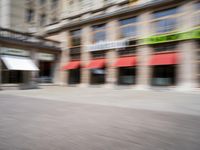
{"points": [[164, 59], [96, 63], [125, 62], [72, 65]]}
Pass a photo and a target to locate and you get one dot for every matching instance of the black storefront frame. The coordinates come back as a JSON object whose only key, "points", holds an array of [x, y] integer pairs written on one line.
{"points": [[126, 74], [98, 78], [74, 76], [164, 75]]}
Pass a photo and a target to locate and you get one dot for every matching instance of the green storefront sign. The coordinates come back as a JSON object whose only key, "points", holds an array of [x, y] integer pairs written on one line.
{"points": [[194, 34]]}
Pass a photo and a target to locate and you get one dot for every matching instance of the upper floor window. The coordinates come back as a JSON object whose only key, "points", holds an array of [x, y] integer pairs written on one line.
{"points": [[75, 37], [42, 20], [75, 53], [128, 27], [42, 2], [98, 54], [165, 21], [99, 32], [29, 15]]}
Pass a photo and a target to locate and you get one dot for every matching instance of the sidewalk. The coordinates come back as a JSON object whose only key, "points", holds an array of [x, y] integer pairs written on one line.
{"points": [[169, 101]]}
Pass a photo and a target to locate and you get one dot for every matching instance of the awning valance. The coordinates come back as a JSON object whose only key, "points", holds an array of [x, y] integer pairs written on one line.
{"points": [[96, 63], [72, 65], [125, 62], [164, 59], [19, 63]]}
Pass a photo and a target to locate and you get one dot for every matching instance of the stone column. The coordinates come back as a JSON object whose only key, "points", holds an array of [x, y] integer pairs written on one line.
{"points": [[85, 55], [111, 72], [33, 75], [187, 68], [61, 76], [143, 75]]}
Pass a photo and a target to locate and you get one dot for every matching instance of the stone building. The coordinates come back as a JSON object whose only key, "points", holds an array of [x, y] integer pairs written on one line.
{"points": [[139, 43], [28, 15]]}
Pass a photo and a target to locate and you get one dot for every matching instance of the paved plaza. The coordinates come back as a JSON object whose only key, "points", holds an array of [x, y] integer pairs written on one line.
{"points": [[73, 118]]}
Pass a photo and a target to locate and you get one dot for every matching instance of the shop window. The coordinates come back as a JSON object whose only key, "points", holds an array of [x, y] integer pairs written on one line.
{"points": [[10, 76], [45, 73], [127, 75], [168, 24], [99, 33], [74, 76], [98, 76], [164, 75], [128, 27], [165, 47], [75, 37]]}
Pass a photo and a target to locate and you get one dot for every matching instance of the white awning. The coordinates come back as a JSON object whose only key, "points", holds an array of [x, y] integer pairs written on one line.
{"points": [[19, 63]]}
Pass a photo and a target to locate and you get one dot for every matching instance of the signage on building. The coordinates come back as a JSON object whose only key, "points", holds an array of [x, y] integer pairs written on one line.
{"points": [[194, 34], [13, 51], [105, 45], [46, 56]]}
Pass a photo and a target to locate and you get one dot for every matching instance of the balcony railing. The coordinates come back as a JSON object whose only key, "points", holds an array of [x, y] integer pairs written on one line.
{"points": [[10, 35]]}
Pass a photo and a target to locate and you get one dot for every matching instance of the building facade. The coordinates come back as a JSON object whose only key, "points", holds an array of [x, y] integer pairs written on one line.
{"points": [[28, 15], [142, 43], [26, 60]]}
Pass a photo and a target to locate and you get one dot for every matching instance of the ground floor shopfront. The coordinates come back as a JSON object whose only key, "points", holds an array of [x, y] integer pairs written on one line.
{"points": [[175, 68], [126, 73], [25, 68]]}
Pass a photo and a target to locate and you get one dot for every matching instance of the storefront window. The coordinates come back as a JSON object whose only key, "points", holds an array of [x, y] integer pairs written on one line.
{"points": [[126, 75], [164, 75], [75, 38], [99, 33], [74, 76], [98, 76], [9, 76], [128, 27], [165, 21], [46, 64]]}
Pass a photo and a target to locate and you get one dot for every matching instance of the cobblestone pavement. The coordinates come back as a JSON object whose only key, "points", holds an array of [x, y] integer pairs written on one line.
{"points": [[78, 120]]}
